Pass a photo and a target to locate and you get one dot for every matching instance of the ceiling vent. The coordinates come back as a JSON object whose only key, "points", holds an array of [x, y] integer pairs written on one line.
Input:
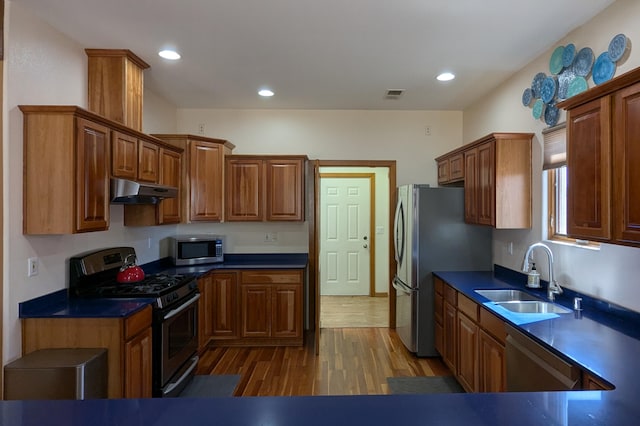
{"points": [[394, 93]]}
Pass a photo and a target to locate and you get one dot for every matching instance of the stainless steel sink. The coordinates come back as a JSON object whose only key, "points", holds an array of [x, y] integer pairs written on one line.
{"points": [[506, 295], [534, 307]]}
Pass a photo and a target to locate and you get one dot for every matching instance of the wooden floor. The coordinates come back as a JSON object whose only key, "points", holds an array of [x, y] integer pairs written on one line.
{"points": [[352, 361], [354, 311]]}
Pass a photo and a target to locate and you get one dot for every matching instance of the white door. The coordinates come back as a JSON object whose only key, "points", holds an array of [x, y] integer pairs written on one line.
{"points": [[345, 237]]}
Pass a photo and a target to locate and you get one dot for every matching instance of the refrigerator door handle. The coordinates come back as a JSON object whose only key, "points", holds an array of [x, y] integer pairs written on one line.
{"points": [[401, 287], [399, 245]]}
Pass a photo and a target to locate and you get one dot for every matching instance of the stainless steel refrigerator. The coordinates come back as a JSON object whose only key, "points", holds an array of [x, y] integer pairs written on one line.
{"points": [[430, 235]]}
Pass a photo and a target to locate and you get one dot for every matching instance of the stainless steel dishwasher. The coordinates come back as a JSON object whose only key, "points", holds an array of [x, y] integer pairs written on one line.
{"points": [[531, 367]]}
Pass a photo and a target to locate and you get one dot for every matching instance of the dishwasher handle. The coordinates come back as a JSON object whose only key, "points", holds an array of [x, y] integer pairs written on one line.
{"points": [[531, 367]]}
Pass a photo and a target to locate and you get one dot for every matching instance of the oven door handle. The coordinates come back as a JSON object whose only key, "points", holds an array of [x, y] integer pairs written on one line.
{"points": [[172, 386], [185, 305]]}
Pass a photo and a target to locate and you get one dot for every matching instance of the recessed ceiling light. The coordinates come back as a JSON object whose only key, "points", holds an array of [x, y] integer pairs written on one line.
{"points": [[445, 76], [169, 54], [265, 93]]}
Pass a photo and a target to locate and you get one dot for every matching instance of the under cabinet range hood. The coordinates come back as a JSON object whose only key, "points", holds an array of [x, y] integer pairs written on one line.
{"points": [[125, 191]]}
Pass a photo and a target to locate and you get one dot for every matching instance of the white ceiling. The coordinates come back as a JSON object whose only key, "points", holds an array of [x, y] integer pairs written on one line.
{"points": [[322, 54]]}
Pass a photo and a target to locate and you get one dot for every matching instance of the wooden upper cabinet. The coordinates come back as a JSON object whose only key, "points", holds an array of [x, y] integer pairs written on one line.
{"points": [[203, 177], [93, 179], [626, 170], [116, 85], [497, 180], [244, 190], [603, 192], [124, 156], [170, 173], [66, 170], [284, 189], [471, 188], [148, 162], [588, 196], [450, 168], [264, 188]]}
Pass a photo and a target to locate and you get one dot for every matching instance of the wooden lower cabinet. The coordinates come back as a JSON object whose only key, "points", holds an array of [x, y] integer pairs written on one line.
{"points": [[491, 364], [471, 342], [128, 342], [218, 307], [468, 353], [251, 308]]}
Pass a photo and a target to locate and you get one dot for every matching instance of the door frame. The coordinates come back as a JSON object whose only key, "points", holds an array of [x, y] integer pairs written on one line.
{"points": [[372, 217], [314, 243]]}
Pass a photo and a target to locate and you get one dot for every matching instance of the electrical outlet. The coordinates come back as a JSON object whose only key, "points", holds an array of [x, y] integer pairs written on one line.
{"points": [[510, 248], [427, 130], [32, 266], [149, 242], [201, 129], [271, 237]]}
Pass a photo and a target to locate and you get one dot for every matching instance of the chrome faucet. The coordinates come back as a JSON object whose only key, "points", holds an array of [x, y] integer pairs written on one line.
{"points": [[554, 288]]}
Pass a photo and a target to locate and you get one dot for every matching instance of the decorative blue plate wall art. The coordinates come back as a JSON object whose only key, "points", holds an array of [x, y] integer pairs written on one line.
{"points": [[603, 69], [568, 55], [536, 84], [527, 96], [564, 78], [617, 47], [551, 114], [583, 62], [555, 63], [538, 106], [548, 90], [569, 71]]}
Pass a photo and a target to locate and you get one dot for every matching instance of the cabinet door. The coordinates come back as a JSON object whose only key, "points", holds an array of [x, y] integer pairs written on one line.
{"points": [[443, 171], [225, 305], [450, 337], [456, 167], [626, 158], [588, 169], [284, 189], [169, 209], [471, 186], [286, 312], [486, 184], [468, 353], [92, 180], [243, 190], [256, 310], [205, 179], [137, 368], [491, 365], [148, 155], [124, 156]]}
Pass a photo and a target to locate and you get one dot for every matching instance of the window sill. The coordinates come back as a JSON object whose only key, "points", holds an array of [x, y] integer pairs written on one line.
{"points": [[587, 245]]}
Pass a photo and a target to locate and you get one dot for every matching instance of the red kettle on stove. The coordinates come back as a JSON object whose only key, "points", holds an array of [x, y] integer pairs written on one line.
{"points": [[130, 272]]}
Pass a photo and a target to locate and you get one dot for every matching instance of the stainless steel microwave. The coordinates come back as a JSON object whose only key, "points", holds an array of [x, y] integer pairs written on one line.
{"points": [[197, 249]]}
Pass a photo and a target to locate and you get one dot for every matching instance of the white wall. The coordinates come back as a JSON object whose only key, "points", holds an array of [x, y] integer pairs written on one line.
{"points": [[610, 273], [42, 66]]}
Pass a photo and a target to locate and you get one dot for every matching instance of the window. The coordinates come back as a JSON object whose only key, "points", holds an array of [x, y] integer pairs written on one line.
{"points": [[557, 219]]}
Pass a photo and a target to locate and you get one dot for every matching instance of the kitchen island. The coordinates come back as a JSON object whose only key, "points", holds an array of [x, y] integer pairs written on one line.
{"points": [[602, 343]]}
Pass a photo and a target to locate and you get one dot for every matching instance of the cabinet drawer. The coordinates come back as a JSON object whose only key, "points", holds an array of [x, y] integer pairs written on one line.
{"points": [[137, 322], [468, 307], [450, 295], [273, 277], [493, 325]]}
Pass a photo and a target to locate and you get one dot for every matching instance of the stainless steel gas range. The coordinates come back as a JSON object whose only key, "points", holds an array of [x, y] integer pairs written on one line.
{"points": [[175, 311]]}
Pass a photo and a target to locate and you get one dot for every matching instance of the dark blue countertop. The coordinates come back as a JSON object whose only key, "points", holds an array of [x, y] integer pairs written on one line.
{"points": [[602, 342], [59, 305]]}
